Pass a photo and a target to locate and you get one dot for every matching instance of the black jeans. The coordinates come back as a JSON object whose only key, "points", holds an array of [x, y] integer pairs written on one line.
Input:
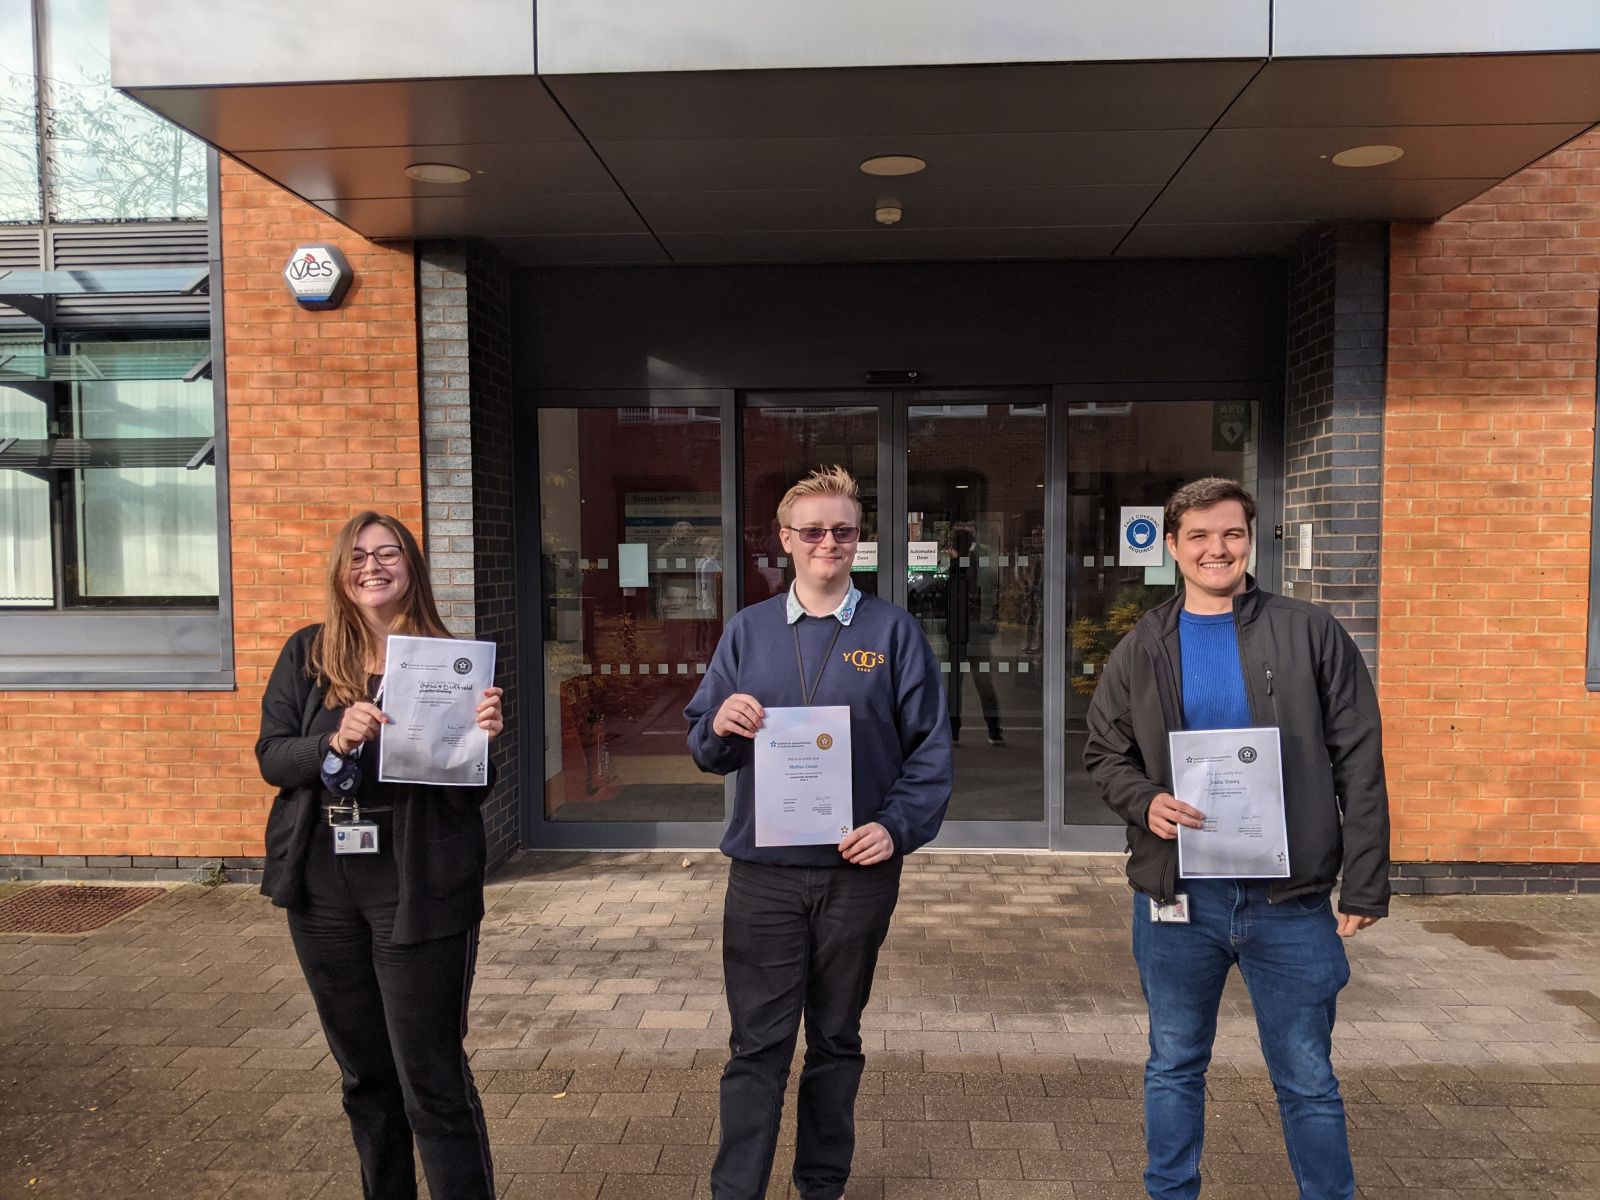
{"points": [[395, 1017], [797, 939]]}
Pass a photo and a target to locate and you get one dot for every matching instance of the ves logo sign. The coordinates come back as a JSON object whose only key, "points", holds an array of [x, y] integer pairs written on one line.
{"points": [[318, 276]]}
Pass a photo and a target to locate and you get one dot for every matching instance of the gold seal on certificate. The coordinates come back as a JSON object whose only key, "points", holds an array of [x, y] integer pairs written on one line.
{"points": [[1235, 777], [802, 776]]}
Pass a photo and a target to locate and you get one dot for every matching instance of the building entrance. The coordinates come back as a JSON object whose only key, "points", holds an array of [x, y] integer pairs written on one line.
{"points": [[1006, 520]]}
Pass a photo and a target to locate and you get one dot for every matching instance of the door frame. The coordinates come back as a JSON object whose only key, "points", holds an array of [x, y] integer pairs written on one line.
{"points": [[536, 831], [983, 835], [893, 403], [1269, 500]]}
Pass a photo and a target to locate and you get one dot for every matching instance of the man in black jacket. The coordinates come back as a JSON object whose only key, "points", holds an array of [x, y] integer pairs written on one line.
{"points": [[1225, 655]]}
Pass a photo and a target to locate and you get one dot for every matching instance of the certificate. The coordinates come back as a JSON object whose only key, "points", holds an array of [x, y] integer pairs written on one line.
{"points": [[431, 690], [1234, 777], [802, 780]]}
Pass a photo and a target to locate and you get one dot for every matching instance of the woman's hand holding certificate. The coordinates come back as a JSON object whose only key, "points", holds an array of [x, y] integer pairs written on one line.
{"points": [[441, 713]]}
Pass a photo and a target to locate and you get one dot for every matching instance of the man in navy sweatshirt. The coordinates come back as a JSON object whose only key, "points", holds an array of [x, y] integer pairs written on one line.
{"points": [[802, 924]]}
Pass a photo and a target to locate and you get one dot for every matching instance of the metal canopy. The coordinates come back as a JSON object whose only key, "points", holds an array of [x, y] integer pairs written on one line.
{"points": [[1025, 160], [80, 454], [104, 281], [101, 362]]}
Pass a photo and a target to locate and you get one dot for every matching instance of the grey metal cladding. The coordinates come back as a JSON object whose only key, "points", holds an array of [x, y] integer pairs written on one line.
{"points": [[21, 249], [589, 36], [1384, 27], [131, 246], [176, 43]]}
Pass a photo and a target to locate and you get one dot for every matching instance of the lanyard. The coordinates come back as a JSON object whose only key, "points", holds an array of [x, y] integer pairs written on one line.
{"points": [[800, 662]]}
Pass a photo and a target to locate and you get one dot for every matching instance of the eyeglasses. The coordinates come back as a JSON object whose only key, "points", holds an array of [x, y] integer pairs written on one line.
{"points": [[385, 556], [812, 535]]}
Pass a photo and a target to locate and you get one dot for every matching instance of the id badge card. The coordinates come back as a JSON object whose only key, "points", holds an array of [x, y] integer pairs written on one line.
{"points": [[355, 837], [1176, 913]]}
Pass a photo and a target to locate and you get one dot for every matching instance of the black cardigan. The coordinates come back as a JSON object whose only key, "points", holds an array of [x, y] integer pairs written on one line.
{"points": [[437, 839]]}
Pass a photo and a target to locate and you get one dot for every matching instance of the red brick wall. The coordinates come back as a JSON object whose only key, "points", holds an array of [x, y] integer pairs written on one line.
{"points": [[322, 421], [1493, 744]]}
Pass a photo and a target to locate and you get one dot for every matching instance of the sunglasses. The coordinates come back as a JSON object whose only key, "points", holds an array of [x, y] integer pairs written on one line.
{"points": [[812, 535]]}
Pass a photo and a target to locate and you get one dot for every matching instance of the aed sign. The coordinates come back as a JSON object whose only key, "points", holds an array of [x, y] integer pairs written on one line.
{"points": [[318, 276]]}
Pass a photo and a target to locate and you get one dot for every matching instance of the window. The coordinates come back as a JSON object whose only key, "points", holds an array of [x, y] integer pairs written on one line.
{"points": [[104, 157], [27, 577], [119, 441], [109, 159], [19, 115]]}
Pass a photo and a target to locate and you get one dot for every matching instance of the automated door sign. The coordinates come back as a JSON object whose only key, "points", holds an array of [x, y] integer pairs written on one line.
{"points": [[318, 276]]}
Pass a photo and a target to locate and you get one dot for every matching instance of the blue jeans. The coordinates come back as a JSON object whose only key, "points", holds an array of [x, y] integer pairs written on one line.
{"points": [[1293, 962]]}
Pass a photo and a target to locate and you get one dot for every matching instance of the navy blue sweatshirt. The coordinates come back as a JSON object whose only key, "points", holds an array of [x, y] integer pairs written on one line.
{"points": [[900, 756]]}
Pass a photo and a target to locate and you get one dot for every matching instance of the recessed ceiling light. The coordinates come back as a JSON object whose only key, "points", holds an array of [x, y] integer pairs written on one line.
{"points": [[1367, 156], [437, 173], [893, 164]]}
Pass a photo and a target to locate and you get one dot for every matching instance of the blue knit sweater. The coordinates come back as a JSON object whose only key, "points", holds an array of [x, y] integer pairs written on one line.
{"points": [[901, 764], [1213, 681]]}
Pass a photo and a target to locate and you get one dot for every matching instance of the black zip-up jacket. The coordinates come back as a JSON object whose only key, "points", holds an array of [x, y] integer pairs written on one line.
{"points": [[438, 839], [1305, 676]]}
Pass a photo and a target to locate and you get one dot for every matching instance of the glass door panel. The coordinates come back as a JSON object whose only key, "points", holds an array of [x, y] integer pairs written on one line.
{"points": [[786, 437], [632, 547], [975, 520], [1122, 456]]}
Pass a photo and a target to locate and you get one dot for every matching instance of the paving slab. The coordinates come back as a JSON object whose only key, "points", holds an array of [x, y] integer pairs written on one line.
{"points": [[175, 1052]]}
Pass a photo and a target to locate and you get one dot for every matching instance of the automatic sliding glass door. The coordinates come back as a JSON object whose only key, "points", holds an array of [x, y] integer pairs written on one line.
{"points": [[975, 491], [1123, 457]]}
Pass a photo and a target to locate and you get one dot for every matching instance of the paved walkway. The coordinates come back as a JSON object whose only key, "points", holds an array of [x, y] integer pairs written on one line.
{"points": [[173, 1054]]}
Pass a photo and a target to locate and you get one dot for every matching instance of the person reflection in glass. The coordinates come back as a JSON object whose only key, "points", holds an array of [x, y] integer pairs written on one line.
{"points": [[972, 600]]}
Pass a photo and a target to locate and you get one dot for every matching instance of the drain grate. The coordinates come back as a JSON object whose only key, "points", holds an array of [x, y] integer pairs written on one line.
{"points": [[53, 908]]}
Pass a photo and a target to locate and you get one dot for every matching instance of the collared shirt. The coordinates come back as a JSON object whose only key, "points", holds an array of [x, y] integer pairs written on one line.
{"points": [[845, 612]]}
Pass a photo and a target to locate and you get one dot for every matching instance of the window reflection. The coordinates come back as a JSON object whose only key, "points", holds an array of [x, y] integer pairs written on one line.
{"points": [[110, 159], [26, 577], [146, 531], [975, 565], [632, 549], [19, 115], [785, 439], [1130, 455]]}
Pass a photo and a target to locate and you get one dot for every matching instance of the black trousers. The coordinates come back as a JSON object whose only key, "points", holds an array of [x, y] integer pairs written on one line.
{"points": [[797, 940], [395, 1017]]}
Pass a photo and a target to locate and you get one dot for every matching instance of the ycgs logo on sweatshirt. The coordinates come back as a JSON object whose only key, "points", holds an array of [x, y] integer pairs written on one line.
{"points": [[864, 660]]}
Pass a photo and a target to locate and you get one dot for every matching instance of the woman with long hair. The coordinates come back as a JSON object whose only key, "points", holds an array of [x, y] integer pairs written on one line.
{"points": [[387, 938]]}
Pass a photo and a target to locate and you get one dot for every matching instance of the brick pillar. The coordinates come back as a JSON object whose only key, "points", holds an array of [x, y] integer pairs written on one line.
{"points": [[447, 430], [1333, 423], [464, 296]]}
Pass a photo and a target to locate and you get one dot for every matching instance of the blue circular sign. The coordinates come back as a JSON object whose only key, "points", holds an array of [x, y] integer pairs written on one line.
{"points": [[1141, 533]]}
